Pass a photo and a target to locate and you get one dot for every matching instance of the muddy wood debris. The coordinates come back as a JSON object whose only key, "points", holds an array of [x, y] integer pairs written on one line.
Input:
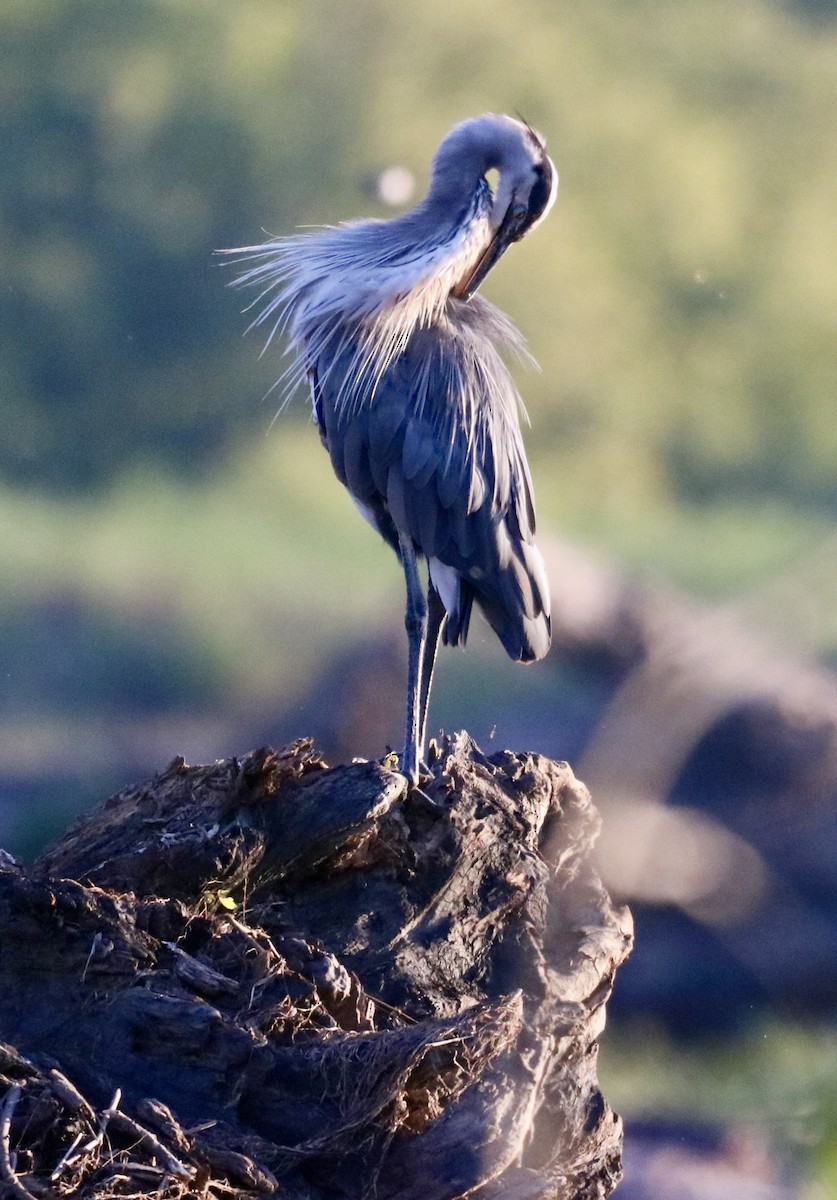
{"points": [[267, 977]]}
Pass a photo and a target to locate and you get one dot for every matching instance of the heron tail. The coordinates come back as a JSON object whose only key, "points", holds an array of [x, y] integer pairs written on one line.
{"points": [[515, 602]]}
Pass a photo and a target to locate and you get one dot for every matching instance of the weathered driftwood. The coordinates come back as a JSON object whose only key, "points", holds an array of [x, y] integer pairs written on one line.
{"points": [[266, 977]]}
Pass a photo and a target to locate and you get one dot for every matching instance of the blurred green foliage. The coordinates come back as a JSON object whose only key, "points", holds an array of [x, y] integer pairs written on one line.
{"points": [[682, 299]]}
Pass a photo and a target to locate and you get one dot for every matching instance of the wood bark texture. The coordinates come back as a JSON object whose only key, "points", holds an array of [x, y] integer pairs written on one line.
{"points": [[267, 977]]}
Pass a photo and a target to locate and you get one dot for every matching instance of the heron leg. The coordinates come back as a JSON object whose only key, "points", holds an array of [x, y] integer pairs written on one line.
{"points": [[415, 622], [435, 618]]}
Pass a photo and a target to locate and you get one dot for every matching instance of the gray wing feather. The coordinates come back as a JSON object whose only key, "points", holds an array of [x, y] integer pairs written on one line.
{"points": [[420, 453], [357, 474], [385, 436]]}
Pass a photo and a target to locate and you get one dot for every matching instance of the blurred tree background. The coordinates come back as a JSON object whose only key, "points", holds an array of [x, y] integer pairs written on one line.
{"points": [[180, 570]]}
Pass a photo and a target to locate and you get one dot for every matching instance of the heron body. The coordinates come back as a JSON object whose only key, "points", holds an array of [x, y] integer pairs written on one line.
{"points": [[412, 398]]}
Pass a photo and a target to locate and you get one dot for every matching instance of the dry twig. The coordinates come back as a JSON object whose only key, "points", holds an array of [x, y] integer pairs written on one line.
{"points": [[7, 1171]]}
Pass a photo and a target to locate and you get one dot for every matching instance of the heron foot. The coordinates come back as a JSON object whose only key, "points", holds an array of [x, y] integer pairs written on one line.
{"points": [[416, 767], [402, 763]]}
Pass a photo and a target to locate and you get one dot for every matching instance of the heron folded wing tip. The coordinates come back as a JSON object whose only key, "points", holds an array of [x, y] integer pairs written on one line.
{"points": [[539, 638], [527, 639]]}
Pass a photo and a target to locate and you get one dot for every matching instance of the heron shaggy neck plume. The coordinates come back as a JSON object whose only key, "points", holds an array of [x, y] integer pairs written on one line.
{"points": [[411, 395]]}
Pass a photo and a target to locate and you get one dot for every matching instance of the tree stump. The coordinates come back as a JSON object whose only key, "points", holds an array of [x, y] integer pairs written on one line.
{"points": [[267, 977]]}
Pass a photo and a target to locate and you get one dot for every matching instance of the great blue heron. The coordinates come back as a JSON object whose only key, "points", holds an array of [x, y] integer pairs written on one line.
{"points": [[412, 399]]}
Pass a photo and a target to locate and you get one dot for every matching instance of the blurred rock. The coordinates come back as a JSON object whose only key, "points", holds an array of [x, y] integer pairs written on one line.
{"points": [[689, 1162]]}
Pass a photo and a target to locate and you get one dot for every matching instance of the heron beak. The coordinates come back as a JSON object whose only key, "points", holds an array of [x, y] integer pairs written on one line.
{"points": [[518, 220], [500, 242]]}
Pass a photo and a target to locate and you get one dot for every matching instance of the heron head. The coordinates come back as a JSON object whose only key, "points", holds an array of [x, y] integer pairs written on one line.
{"points": [[525, 189]]}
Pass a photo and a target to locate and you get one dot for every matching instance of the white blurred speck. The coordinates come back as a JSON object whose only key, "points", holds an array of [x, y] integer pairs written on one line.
{"points": [[395, 186]]}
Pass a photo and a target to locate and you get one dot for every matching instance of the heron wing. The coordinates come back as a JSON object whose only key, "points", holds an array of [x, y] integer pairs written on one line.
{"points": [[434, 450]]}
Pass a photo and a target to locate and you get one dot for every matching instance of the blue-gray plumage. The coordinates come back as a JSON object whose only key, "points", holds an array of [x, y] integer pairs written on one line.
{"points": [[413, 401]]}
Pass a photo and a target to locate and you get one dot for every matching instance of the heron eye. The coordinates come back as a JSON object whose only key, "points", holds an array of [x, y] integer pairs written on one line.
{"points": [[492, 178]]}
